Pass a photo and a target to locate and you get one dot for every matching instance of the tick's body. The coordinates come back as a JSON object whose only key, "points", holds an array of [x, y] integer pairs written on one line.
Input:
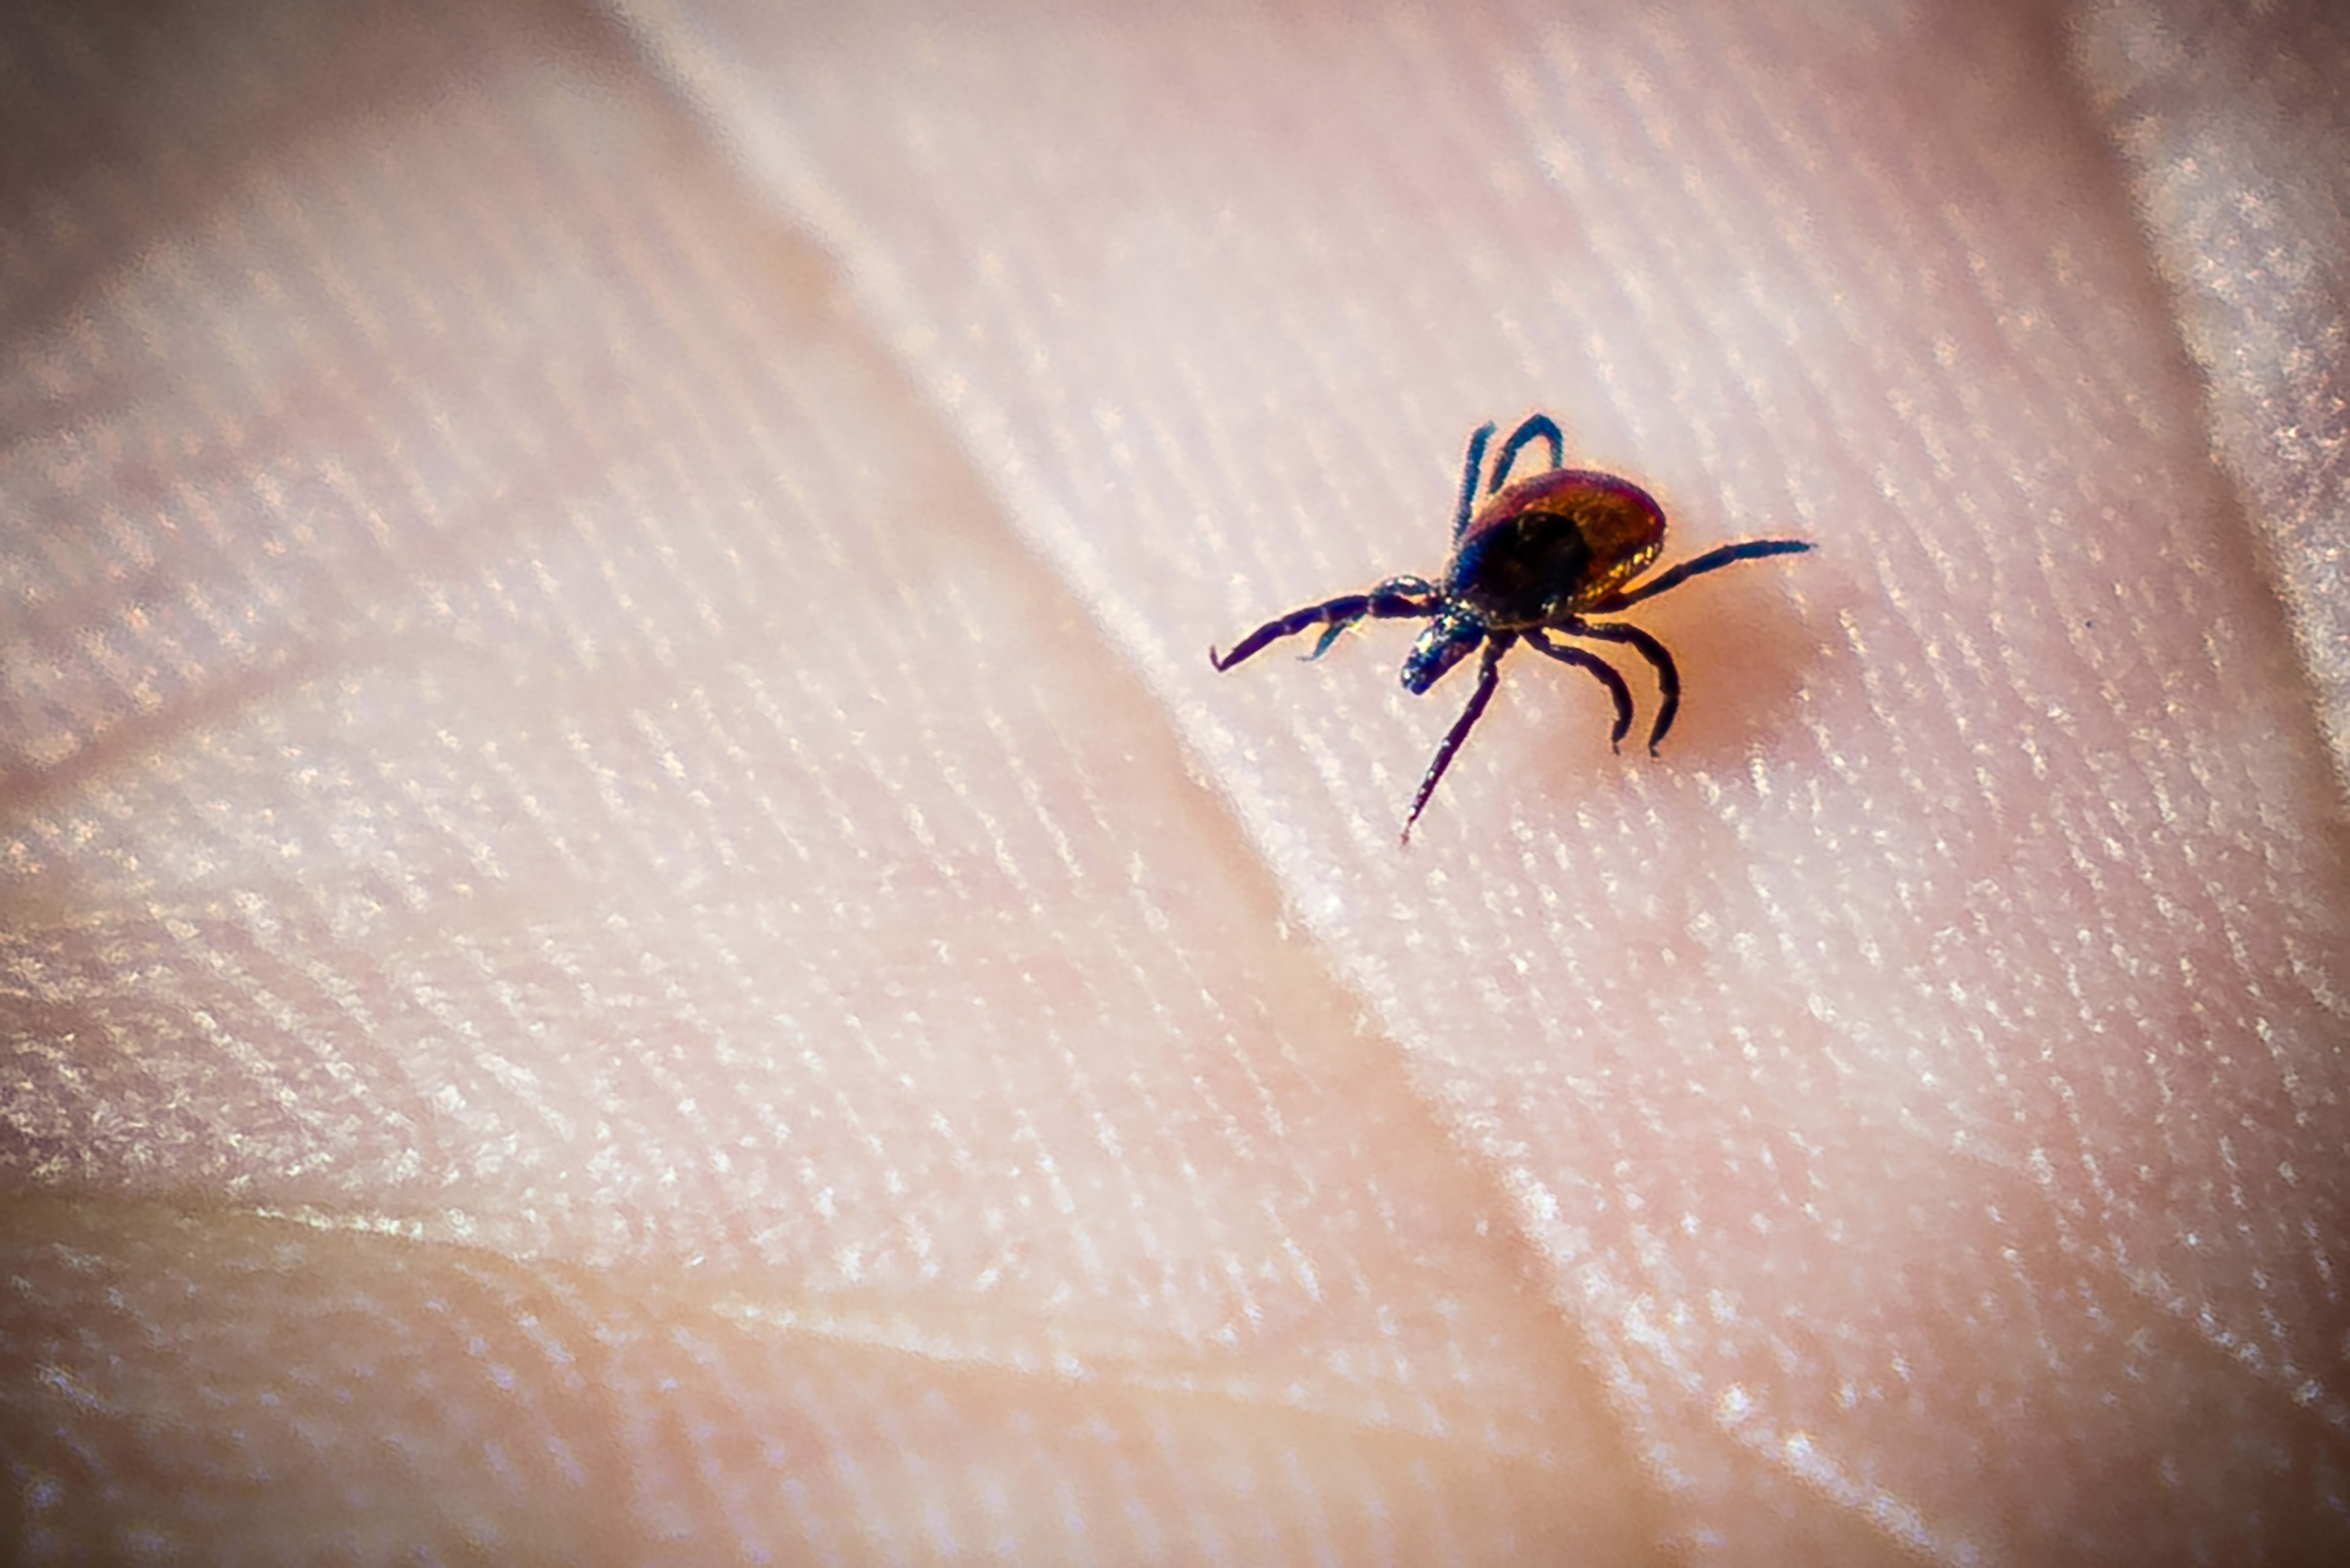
{"points": [[1535, 558], [1553, 546]]}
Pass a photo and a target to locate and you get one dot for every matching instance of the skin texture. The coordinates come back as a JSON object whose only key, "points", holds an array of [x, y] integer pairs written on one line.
{"points": [[634, 931]]}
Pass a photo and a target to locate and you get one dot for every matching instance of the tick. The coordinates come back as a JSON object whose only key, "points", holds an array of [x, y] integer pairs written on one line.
{"points": [[1532, 562]]}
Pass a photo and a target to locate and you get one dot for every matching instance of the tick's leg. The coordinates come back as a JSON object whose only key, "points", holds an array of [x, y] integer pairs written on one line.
{"points": [[1603, 671], [1489, 676], [1476, 460], [1397, 597], [1538, 426], [1711, 561], [1669, 674]]}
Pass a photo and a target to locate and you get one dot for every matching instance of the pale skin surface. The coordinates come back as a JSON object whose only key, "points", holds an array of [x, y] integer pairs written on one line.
{"points": [[637, 930]]}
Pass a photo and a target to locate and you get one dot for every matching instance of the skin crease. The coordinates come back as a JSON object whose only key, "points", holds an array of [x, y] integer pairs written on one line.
{"points": [[635, 929]]}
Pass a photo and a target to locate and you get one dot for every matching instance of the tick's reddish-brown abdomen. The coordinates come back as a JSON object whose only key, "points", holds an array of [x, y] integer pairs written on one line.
{"points": [[1553, 545]]}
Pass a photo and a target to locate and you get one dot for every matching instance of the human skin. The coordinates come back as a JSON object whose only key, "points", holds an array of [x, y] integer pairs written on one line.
{"points": [[637, 928]]}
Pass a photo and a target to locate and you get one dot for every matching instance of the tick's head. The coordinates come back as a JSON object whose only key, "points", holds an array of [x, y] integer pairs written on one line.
{"points": [[1451, 638]]}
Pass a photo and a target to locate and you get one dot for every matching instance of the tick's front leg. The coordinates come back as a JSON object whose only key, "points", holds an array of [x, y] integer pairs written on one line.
{"points": [[1489, 676], [1398, 597]]}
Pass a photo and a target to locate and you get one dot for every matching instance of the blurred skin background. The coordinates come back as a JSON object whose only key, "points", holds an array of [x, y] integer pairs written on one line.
{"points": [[635, 931]]}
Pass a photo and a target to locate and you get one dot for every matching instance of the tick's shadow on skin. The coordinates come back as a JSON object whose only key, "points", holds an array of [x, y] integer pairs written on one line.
{"points": [[1744, 672]]}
